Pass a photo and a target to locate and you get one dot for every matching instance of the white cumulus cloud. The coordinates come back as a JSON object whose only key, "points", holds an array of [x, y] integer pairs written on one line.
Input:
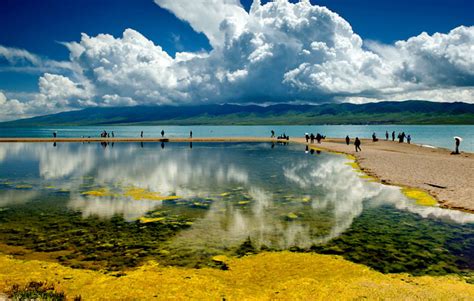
{"points": [[276, 52]]}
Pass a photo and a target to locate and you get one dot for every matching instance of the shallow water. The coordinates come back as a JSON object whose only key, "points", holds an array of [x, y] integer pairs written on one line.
{"points": [[114, 206], [435, 135]]}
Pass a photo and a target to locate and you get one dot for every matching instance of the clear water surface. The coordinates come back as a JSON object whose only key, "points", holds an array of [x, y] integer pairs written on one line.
{"points": [[113, 206], [434, 135]]}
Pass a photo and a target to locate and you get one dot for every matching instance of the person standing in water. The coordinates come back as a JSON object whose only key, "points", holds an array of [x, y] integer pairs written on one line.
{"points": [[393, 136], [141, 134], [191, 134], [162, 133], [408, 138], [357, 144], [55, 134], [386, 135], [457, 141], [348, 140], [273, 134]]}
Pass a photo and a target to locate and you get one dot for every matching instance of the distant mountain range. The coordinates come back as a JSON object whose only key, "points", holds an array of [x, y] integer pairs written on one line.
{"points": [[389, 112]]}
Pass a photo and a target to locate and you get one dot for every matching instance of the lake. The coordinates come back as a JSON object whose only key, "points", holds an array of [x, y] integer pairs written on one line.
{"points": [[435, 135], [114, 206]]}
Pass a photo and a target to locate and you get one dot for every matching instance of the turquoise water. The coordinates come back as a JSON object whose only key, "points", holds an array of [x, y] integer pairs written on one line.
{"points": [[435, 135], [113, 206]]}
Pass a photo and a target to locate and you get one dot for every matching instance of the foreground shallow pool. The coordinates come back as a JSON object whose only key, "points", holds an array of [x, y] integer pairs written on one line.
{"points": [[114, 206]]}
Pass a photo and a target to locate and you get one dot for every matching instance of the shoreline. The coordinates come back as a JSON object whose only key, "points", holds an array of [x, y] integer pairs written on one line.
{"points": [[448, 178]]}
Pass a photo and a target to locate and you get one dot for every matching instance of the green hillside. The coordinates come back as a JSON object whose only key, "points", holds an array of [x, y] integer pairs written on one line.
{"points": [[407, 112]]}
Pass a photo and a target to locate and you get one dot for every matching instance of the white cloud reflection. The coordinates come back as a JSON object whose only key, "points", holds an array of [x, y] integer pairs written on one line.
{"points": [[324, 193]]}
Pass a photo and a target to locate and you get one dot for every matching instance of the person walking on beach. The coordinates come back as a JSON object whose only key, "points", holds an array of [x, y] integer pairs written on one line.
{"points": [[141, 134], [386, 135], [311, 137], [306, 136], [348, 140], [191, 134], [393, 136], [357, 144], [162, 133]]}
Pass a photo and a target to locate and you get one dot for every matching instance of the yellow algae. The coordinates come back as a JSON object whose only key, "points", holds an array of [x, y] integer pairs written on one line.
{"points": [[101, 192], [292, 215], [351, 157], [220, 258], [145, 220], [421, 197], [50, 187], [164, 252], [306, 199], [144, 194], [243, 202], [23, 186], [225, 194], [355, 166], [282, 275]]}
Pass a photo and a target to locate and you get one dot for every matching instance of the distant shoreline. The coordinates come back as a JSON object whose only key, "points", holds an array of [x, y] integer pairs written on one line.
{"points": [[446, 177]]}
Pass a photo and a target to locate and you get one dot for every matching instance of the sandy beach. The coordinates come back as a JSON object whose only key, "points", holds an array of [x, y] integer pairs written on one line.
{"points": [[447, 177]]}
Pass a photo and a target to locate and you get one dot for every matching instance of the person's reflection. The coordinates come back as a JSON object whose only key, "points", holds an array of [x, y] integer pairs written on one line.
{"points": [[318, 152], [306, 149], [190, 145], [141, 144], [162, 145], [54, 144], [103, 144], [273, 145], [112, 143], [311, 151]]}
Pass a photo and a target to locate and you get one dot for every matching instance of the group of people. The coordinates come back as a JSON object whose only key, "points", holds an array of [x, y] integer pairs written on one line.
{"points": [[401, 137], [311, 137], [104, 134], [357, 143]]}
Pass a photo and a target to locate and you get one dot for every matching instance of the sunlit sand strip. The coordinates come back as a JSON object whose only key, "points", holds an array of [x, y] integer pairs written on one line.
{"points": [[446, 177], [151, 139], [282, 275]]}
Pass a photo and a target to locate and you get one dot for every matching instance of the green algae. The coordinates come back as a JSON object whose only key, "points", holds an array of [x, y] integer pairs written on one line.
{"points": [[415, 245], [93, 243]]}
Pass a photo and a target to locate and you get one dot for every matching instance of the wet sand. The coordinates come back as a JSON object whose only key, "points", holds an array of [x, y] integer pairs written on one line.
{"points": [[449, 178]]}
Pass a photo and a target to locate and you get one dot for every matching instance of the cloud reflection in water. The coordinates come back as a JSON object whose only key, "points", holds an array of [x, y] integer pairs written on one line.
{"points": [[323, 193]]}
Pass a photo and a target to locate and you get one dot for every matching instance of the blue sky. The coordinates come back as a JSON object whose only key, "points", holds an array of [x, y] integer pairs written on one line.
{"points": [[39, 26]]}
